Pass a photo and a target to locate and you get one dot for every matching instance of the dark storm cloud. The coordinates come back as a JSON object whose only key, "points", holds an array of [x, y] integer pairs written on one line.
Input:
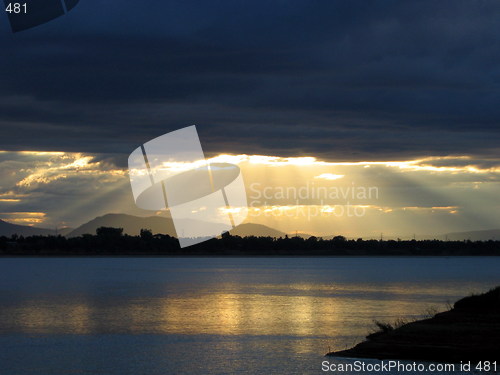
{"points": [[350, 80]]}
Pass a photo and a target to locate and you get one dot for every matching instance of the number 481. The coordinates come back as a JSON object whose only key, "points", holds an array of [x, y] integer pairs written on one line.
{"points": [[487, 366], [16, 8]]}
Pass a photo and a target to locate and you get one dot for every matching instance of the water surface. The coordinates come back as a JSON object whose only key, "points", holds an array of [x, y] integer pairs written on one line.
{"points": [[212, 315]]}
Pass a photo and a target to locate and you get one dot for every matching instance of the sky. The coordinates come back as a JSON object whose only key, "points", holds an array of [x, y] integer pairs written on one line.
{"points": [[402, 96]]}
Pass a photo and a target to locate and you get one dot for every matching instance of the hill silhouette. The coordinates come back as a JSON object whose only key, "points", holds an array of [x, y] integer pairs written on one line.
{"points": [[476, 235], [8, 229], [258, 230], [132, 226]]}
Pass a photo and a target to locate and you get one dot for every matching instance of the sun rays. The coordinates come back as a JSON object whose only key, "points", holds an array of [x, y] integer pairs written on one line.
{"points": [[47, 188]]}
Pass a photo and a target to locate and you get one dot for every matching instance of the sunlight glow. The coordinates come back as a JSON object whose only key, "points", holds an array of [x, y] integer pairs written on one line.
{"points": [[329, 176], [41, 153], [286, 193], [59, 168], [449, 209], [25, 218], [424, 164]]}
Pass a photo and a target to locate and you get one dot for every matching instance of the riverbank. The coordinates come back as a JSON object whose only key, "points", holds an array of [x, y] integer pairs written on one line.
{"points": [[470, 331]]}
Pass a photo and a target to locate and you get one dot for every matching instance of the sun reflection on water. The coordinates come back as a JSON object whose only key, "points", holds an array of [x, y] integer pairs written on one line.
{"points": [[301, 310]]}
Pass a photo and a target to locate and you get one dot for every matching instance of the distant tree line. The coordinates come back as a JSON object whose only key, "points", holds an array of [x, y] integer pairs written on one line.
{"points": [[112, 241]]}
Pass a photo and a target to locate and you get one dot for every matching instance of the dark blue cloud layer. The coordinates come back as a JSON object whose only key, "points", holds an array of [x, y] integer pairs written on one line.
{"points": [[350, 80]]}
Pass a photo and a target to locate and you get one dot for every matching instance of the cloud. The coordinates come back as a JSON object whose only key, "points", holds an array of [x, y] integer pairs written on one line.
{"points": [[339, 80], [24, 218], [329, 176], [408, 196], [65, 187], [398, 95]]}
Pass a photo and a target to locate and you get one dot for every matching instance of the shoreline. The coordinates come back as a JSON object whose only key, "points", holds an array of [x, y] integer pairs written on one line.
{"points": [[470, 331]]}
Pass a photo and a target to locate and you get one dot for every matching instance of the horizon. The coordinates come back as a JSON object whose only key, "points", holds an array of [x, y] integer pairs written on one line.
{"points": [[397, 97]]}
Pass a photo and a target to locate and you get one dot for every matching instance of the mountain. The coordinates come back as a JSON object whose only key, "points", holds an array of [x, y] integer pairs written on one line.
{"points": [[477, 235], [8, 229], [64, 231], [259, 230], [132, 225]]}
